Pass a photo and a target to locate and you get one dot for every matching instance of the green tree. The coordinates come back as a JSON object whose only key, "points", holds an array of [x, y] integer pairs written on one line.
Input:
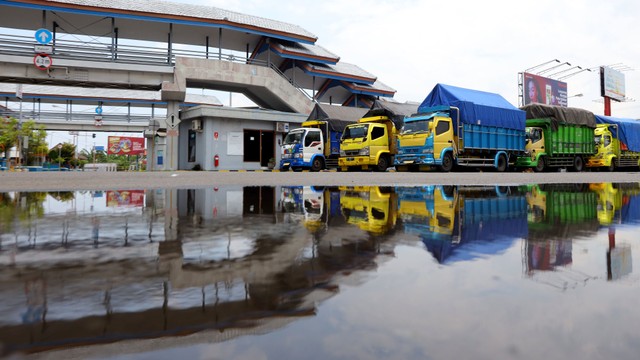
{"points": [[64, 155], [11, 132]]}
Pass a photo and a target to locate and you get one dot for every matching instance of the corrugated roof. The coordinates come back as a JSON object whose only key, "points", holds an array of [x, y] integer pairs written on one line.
{"points": [[193, 11]]}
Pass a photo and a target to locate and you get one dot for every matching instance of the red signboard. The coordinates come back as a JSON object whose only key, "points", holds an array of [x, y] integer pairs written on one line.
{"points": [[42, 61], [122, 145], [542, 90], [133, 198]]}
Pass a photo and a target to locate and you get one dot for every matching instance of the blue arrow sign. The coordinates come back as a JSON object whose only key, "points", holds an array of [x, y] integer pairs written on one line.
{"points": [[43, 36], [99, 110]]}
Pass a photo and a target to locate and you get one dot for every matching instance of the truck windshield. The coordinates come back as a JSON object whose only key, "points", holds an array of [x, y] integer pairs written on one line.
{"points": [[293, 138], [355, 131], [416, 127], [598, 139], [533, 134]]}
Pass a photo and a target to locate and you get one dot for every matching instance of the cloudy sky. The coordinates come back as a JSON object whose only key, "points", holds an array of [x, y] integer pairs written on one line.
{"points": [[411, 45]]}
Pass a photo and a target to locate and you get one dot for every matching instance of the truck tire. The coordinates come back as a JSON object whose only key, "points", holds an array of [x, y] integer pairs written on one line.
{"points": [[541, 165], [578, 164], [317, 164], [612, 166], [447, 162], [502, 163], [383, 163]]}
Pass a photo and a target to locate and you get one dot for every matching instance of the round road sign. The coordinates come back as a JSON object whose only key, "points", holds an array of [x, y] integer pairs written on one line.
{"points": [[42, 61]]}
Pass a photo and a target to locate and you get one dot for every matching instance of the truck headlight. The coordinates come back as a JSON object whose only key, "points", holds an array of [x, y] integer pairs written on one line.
{"points": [[297, 155], [343, 153], [364, 151]]}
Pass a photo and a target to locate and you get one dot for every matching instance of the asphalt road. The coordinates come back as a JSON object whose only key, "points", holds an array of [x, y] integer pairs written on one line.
{"points": [[63, 181]]}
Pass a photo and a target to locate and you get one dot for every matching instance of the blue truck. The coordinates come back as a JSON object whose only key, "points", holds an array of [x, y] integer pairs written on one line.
{"points": [[461, 127]]}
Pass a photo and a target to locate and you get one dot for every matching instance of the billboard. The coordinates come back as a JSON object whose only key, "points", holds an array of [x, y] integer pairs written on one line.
{"points": [[542, 90], [612, 83], [123, 145], [133, 198]]}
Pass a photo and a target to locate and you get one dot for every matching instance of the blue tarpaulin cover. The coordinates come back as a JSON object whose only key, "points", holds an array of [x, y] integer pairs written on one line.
{"points": [[630, 211], [476, 107], [628, 129]]}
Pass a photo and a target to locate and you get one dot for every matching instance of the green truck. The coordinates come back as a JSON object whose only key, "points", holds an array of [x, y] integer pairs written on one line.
{"points": [[557, 137]]}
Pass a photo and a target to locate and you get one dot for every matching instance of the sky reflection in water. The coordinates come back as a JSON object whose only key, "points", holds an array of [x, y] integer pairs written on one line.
{"points": [[538, 271]]}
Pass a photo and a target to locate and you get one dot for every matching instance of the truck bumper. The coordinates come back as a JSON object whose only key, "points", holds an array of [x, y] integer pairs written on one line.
{"points": [[415, 160], [596, 163], [292, 163], [351, 161], [526, 162]]}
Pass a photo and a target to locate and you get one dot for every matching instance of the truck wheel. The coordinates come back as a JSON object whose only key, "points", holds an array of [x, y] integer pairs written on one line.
{"points": [[447, 162], [612, 167], [541, 165], [578, 164], [502, 164], [383, 163], [317, 164]]}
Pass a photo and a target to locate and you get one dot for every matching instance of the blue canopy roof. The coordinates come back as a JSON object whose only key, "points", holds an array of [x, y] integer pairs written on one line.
{"points": [[628, 129], [476, 107]]}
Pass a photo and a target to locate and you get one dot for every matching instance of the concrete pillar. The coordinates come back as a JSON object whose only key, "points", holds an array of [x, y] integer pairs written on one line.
{"points": [[173, 121], [170, 214]]}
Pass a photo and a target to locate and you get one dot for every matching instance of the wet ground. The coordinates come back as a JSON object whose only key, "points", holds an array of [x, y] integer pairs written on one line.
{"points": [[340, 272]]}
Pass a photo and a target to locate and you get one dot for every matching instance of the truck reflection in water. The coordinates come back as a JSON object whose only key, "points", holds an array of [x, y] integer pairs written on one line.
{"points": [[80, 269], [448, 217]]}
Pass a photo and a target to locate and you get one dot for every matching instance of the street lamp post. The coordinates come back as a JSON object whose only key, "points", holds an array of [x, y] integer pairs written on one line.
{"points": [[59, 156]]}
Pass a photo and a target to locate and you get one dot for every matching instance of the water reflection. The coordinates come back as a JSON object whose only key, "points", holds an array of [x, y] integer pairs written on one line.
{"points": [[93, 268]]}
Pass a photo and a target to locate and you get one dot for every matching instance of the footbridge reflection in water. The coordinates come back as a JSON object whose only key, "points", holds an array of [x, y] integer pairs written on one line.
{"points": [[82, 270]]}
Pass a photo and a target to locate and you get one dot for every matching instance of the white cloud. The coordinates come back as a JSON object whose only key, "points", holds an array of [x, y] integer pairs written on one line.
{"points": [[411, 45]]}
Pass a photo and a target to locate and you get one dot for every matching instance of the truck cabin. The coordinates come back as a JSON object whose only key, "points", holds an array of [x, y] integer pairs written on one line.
{"points": [[422, 123], [310, 137], [602, 139], [533, 135]]}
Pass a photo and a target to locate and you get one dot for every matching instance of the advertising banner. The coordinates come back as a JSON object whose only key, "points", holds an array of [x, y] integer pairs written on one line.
{"points": [[542, 90], [612, 83], [122, 145], [129, 198]]}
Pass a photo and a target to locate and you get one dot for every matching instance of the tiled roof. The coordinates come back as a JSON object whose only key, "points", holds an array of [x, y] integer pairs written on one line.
{"points": [[192, 11], [304, 49]]}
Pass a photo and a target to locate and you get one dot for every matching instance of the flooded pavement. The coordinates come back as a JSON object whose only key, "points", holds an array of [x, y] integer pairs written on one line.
{"points": [[290, 272]]}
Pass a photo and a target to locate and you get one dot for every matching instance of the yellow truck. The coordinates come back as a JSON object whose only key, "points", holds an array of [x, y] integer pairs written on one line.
{"points": [[371, 143], [617, 203], [372, 208], [617, 144]]}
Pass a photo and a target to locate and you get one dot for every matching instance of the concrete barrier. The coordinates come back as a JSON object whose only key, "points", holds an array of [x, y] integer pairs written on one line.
{"points": [[101, 167]]}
